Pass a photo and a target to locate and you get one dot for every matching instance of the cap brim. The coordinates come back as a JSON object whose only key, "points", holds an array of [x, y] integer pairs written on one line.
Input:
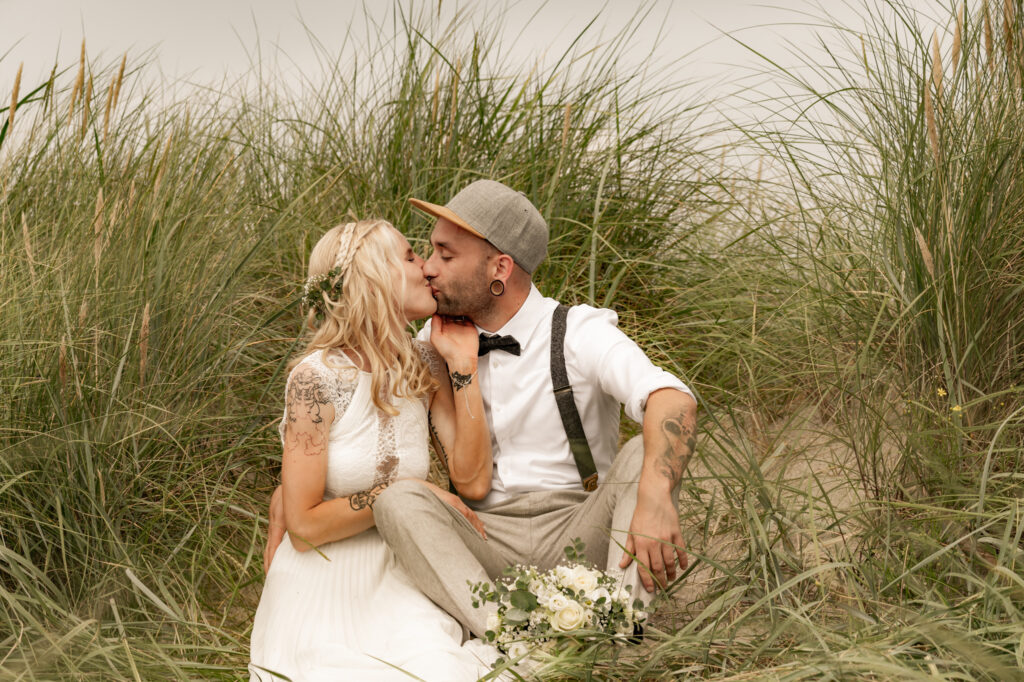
{"points": [[446, 213]]}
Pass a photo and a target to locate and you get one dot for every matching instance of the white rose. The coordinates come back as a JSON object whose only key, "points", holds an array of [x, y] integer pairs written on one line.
{"points": [[583, 579], [536, 586], [569, 618], [493, 622], [518, 649], [562, 575], [557, 602], [598, 593]]}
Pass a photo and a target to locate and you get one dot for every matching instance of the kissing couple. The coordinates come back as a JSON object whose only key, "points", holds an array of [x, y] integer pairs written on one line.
{"points": [[369, 565]]}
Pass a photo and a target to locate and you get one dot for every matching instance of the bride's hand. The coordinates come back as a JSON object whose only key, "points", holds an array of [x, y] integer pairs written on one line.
{"points": [[275, 533], [460, 506], [454, 339]]}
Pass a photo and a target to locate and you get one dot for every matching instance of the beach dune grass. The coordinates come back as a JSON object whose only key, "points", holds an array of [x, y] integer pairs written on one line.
{"points": [[861, 304]]}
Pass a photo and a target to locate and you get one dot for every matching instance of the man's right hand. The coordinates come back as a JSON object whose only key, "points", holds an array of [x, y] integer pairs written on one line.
{"points": [[275, 534], [460, 506]]}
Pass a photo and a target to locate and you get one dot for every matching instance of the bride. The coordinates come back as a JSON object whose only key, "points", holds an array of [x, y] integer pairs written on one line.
{"points": [[336, 605]]}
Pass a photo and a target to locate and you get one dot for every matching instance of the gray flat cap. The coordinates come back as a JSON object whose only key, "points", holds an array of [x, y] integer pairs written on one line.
{"points": [[501, 215]]}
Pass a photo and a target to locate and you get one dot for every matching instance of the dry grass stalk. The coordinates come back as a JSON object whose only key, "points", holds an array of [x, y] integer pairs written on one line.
{"points": [[933, 129], [988, 37], [86, 106], [926, 253], [455, 101], [437, 92], [566, 121], [28, 247], [48, 92], [958, 36], [163, 162], [14, 98], [79, 81], [62, 362], [96, 353], [119, 80], [83, 311], [143, 344], [936, 66]]}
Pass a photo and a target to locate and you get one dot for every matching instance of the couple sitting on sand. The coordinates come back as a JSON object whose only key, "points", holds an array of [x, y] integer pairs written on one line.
{"points": [[370, 565]]}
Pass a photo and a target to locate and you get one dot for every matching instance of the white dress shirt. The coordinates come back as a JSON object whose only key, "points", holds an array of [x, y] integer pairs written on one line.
{"points": [[605, 368]]}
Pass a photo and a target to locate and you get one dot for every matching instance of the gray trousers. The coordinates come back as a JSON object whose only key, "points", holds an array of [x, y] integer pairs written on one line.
{"points": [[442, 553]]}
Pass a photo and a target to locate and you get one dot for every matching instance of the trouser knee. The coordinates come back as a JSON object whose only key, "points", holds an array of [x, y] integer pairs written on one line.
{"points": [[629, 462], [400, 503]]}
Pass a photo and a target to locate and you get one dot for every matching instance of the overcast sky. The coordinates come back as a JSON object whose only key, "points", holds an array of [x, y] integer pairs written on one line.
{"points": [[204, 40]]}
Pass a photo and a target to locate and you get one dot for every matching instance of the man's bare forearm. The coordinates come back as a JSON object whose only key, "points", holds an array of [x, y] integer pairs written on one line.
{"points": [[670, 436]]}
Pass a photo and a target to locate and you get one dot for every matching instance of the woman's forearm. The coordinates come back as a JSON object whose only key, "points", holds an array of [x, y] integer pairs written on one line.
{"points": [[469, 464], [330, 520]]}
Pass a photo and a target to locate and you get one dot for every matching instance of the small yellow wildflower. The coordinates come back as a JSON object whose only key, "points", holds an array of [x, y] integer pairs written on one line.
{"points": [[942, 393], [957, 409]]}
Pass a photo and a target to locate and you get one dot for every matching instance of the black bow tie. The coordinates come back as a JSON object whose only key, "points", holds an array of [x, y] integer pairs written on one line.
{"points": [[505, 343]]}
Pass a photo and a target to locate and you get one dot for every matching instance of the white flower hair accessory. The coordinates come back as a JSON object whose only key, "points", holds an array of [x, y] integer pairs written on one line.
{"points": [[331, 282]]}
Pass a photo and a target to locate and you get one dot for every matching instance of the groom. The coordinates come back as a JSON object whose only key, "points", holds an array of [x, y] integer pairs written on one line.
{"points": [[552, 380]]}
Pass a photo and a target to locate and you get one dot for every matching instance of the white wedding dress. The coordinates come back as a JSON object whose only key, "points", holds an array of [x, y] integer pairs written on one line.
{"points": [[347, 611]]}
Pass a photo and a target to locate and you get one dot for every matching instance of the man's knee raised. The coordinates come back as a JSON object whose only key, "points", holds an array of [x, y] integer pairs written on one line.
{"points": [[399, 499]]}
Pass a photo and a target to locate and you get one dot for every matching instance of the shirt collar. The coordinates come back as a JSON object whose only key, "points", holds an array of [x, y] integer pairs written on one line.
{"points": [[526, 319]]}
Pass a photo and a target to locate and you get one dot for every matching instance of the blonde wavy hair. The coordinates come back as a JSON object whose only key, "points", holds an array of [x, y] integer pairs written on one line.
{"points": [[367, 315]]}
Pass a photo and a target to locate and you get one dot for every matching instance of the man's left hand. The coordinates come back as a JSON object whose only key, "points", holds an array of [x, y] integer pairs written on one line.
{"points": [[656, 541]]}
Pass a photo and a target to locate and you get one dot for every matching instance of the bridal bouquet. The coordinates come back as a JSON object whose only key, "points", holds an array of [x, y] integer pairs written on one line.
{"points": [[535, 608]]}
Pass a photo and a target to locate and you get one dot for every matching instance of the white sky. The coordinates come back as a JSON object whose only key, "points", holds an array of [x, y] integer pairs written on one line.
{"points": [[203, 40]]}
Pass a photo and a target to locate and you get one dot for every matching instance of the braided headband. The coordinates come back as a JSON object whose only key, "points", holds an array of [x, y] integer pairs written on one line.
{"points": [[330, 283]]}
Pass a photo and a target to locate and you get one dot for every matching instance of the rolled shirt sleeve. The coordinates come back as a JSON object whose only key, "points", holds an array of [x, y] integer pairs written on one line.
{"points": [[602, 353]]}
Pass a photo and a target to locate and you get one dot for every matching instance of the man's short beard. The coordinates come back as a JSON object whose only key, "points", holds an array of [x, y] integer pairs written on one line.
{"points": [[469, 298], [465, 304]]}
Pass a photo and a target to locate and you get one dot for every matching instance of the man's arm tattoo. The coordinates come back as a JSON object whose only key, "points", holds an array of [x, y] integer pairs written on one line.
{"points": [[304, 399], [680, 444], [460, 380]]}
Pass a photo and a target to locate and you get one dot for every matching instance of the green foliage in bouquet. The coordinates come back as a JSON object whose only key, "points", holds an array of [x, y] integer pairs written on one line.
{"points": [[571, 602]]}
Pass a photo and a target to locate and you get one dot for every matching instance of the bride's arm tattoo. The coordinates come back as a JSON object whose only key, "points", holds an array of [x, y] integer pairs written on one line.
{"points": [[438, 445], [306, 429], [680, 443], [366, 498]]}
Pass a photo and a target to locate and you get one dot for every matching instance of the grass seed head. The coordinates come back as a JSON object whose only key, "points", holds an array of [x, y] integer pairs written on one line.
{"points": [[933, 129], [106, 110], [14, 99], [988, 37], [83, 312], [79, 81], [120, 79], [936, 66], [1008, 26], [926, 254], [86, 106], [97, 229], [28, 246]]}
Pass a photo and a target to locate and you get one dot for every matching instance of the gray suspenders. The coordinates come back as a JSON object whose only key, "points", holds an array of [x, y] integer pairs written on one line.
{"points": [[567, 405]]}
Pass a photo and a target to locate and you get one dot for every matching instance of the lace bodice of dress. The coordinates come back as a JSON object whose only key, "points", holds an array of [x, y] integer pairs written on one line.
{"points": [[367, 448]]}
